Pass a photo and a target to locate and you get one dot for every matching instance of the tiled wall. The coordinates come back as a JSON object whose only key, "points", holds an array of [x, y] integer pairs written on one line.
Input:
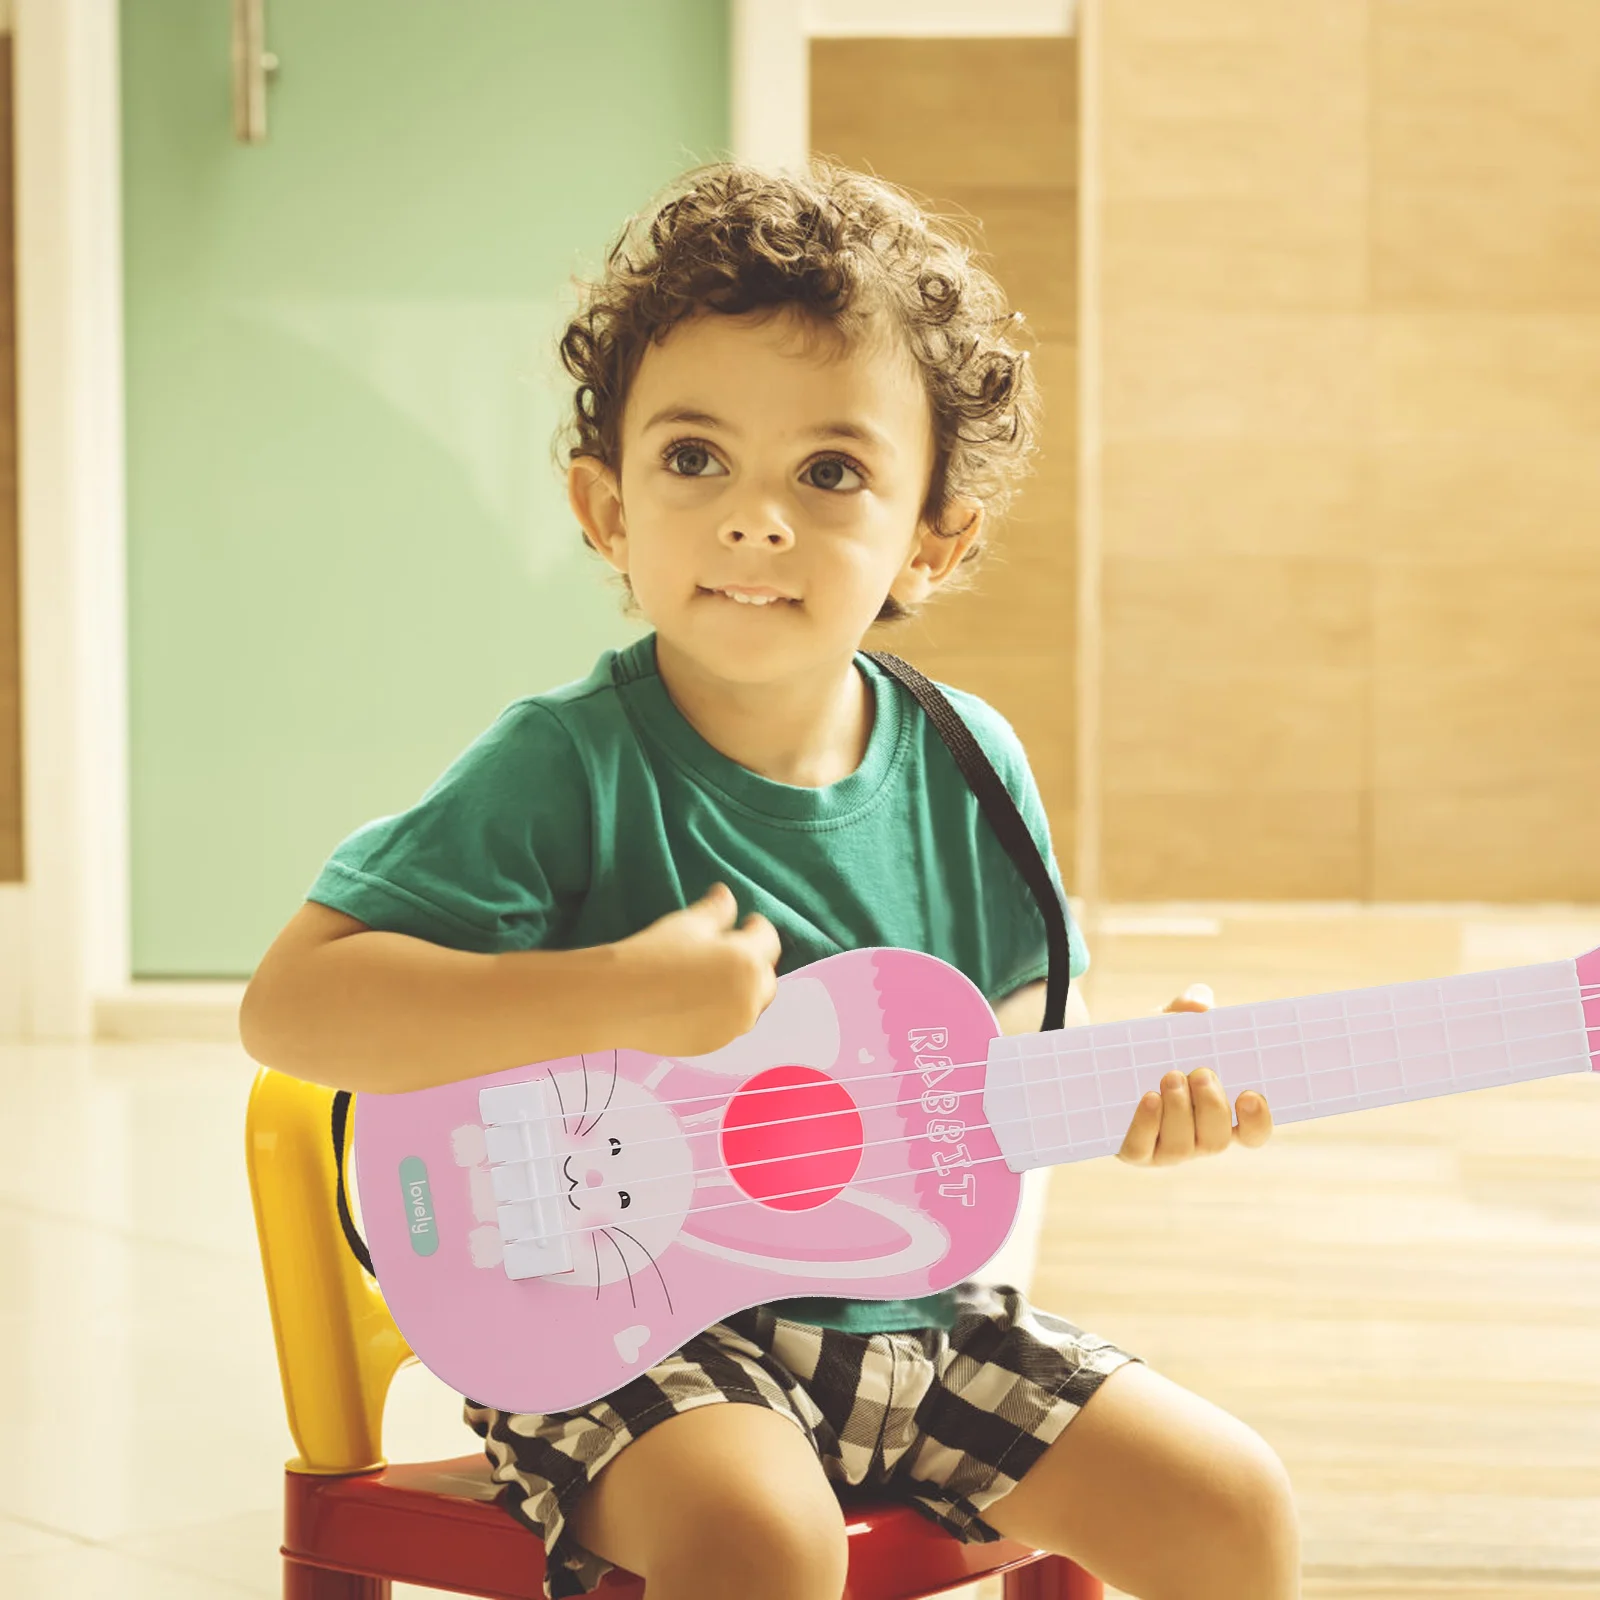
{"points": [[1349, 448]]}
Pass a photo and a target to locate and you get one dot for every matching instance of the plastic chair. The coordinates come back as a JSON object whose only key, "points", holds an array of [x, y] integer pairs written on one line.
{"points": [[354, 1524]]}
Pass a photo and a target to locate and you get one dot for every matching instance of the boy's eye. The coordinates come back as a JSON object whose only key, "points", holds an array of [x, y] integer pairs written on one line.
{"points": [[616, 1146], [830, 470], [696, 455]]}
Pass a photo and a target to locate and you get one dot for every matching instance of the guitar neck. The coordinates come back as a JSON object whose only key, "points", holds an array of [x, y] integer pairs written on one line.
{"points": [[1069, 1095]]}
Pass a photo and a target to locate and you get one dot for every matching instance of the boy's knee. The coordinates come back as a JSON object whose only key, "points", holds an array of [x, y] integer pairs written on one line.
{"points": [[756, 1538], [1258, 1520]]}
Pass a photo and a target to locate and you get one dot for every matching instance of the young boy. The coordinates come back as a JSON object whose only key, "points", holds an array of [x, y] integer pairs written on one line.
{"points": [[798, 402]]}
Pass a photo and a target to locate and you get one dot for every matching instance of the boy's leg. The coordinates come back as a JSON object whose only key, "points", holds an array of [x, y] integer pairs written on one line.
{"points": [[723, 1500], [1162, 1494]]}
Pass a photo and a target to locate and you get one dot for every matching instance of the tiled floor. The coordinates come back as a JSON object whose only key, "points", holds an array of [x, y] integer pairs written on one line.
{"points": [[1445, 1443]]}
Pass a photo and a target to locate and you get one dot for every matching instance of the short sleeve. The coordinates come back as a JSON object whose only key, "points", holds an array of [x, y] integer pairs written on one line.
{"points": [[1019, 940], [494, 857]]}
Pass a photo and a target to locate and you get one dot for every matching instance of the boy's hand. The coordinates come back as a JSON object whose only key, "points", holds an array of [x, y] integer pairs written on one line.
{"points": [[694, 981], [1189, 1117]]}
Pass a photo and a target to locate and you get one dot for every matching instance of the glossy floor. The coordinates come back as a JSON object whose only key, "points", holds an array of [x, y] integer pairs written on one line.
{"points": [[1405, 1302]]}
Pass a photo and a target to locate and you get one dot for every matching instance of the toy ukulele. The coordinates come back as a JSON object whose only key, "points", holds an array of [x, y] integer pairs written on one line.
{"points": [[544, 1233]]}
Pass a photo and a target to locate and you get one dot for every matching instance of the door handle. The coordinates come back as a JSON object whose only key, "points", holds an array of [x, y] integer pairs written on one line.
{"points": [[253, 65]]}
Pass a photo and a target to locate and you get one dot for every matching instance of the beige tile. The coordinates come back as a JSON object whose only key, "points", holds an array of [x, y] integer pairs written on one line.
{"points": [[241, 1554], [1447, 732], [1204, 730], [1470, 1533], [1513, 245], [1487, 675], [1163, 620], [1519, 841], [1284, 950], [1300, 249], [1231, 101], [140, 1149], [1129, 26], [1236, 375], [236, 1552], [1484, 92], [1495, 375], [1543, 936], [1452, 499], [91, 1572], [131, 1342], [1306, 845], [936, 113], [26, 1539], [1342, 1585], [1194, 500]]}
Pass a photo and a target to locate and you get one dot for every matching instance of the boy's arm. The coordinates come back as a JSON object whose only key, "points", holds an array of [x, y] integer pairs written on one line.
{"points": [[339, 1003], [1022, 1011]]}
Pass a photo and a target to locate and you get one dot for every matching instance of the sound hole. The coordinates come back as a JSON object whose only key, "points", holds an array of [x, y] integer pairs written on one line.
{"points": [[791, 1138]]}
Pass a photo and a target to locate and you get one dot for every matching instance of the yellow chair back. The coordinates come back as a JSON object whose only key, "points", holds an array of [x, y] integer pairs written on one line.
{"points": [[338, 1347]]}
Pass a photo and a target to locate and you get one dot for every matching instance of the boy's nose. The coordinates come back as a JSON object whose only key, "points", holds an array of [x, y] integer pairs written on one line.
{"points": [[768, 533]]}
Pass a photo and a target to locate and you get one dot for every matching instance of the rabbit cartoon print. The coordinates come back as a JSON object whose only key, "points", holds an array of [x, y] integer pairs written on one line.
{"points": [[544, 1233]]}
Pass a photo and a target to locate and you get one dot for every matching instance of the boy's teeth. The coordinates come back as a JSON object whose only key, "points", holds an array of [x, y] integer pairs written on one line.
{"points": [[749, 599]]}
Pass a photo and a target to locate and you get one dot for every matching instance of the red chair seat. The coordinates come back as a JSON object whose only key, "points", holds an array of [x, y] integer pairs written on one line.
{"points": [[437, 1523]]}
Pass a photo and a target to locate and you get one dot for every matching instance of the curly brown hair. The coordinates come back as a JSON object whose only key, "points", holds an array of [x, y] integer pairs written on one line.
{"points": [[842, 248]]}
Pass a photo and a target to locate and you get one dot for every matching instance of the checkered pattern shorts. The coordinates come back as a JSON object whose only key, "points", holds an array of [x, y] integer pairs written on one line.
{"points": [[947, 1421]]}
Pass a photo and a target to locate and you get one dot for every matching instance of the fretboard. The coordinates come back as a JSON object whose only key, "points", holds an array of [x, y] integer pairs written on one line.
{"points": [[1070, 1094]]}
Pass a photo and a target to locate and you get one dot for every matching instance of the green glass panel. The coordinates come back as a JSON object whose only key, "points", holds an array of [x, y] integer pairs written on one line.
{"points": [[348, 544]]}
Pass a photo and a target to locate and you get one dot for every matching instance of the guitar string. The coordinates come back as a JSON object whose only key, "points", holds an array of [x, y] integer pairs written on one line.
{"points": [[887, 1178], [962, 1094], [1537, 1000], [713, 1098], [992, 1127]]}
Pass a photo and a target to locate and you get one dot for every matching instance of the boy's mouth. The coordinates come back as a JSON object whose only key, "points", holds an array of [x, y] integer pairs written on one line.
{"points": [[751, 595]]}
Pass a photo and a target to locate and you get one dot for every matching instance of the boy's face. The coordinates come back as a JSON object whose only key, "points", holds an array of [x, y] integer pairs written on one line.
{"points": [[737, 478]]}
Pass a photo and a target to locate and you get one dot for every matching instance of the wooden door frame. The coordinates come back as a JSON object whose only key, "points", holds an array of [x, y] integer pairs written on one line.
{"points": [[65, 938], [770, 62], [64, 929]]}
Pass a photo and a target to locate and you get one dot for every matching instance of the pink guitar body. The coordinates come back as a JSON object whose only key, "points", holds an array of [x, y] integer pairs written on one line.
{"points": [[543, 1234]]}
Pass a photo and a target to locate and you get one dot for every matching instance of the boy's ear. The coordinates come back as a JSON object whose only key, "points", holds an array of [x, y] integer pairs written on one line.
{"points": [[596, 502], [936, 555]]}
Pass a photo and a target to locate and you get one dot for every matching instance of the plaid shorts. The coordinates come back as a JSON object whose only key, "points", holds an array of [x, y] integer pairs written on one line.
{"points": [[947, 1421]]}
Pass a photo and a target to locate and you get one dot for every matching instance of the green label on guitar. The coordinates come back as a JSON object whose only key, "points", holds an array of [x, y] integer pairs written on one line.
{"points": [[419, 1206]]}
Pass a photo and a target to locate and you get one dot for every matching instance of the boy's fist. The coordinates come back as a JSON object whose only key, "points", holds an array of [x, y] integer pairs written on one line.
{"points": [[694, 981]]}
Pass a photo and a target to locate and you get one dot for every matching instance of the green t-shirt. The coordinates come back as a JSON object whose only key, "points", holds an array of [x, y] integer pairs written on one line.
{"points": [[582, 815]]}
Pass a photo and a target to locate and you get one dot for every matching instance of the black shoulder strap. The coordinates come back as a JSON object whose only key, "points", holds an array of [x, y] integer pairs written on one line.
{"points": [[997, 805], [341, 1122], [1004, 818]]}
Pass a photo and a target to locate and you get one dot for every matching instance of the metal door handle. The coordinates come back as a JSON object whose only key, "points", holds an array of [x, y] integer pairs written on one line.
{"points": [[253, 64]]}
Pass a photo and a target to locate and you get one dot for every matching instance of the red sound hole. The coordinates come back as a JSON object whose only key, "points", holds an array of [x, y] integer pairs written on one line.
{"points": [[772, 1156]]}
